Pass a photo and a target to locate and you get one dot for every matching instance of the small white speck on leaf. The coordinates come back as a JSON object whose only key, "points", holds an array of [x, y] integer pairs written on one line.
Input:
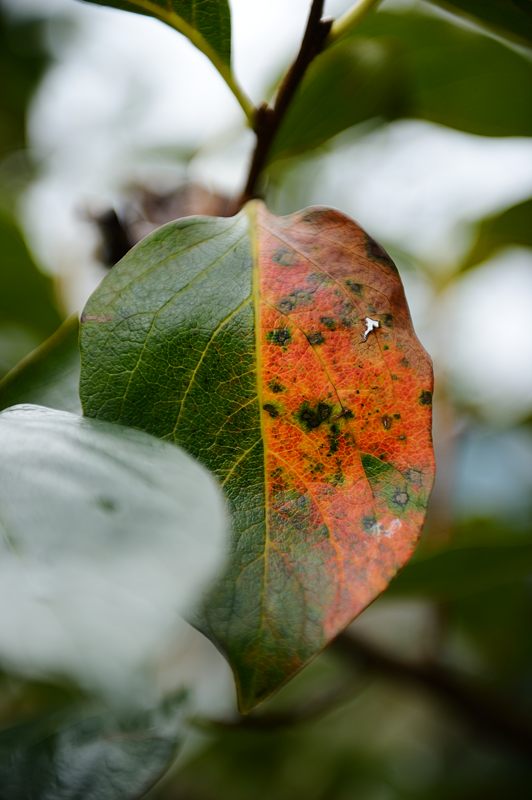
{"points": [[371, 324]]}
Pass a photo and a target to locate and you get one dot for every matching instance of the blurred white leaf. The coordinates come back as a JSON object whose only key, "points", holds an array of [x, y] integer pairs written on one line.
{"points": [[107, 536]]}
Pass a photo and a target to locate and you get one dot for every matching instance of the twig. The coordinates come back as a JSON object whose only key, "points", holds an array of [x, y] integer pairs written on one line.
{"points": [[267, 119], [491, 716], [310, 711]]}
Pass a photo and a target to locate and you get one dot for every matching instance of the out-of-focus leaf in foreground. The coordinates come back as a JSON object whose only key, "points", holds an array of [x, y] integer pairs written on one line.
{"points": [[48, 376], [106, 536], [279, 351], [105, 756]]}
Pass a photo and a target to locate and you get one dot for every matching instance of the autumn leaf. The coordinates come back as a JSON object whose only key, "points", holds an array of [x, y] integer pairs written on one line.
{"points": [[280, 352]]}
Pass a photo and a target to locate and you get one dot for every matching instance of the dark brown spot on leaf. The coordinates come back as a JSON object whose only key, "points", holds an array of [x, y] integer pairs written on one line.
{"points": [[312, 417], [400, 498], [272, 410], [279, 336], [355, 287], [315, 338], [378, 253], [284, 256]]}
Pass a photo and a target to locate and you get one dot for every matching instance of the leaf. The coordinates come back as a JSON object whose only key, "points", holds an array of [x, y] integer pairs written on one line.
{"points": [[463, 571], [106, 535], [351, 82], [207, 23], [456, 76], [106, 756], [509, 228], [27, 305], [511, 19], [24, 57], [242, 340], [49, 376], [409, 65]]}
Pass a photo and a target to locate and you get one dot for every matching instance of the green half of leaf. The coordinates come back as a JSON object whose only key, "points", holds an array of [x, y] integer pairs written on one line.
{"points": [[248, 342], [105, 756], [106, 536]]}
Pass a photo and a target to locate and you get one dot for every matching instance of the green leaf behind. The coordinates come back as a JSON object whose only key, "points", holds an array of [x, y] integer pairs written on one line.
{"points": [[26, 297], [462, 571], [509, 228], [398, 65], [351, 82], [48, 376], [510, 18], [458, 77]]}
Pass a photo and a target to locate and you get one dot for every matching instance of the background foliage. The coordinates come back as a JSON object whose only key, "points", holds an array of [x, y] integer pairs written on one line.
{"points": [[363, 722]]}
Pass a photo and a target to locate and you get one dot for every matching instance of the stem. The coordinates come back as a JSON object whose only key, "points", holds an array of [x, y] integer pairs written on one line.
{"points": [[350, 19], [267, 119], [491, 716], [310, 711], [243, 100]]}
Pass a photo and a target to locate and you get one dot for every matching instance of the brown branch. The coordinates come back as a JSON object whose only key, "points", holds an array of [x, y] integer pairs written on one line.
{"points": [[490, 716], [268, 119], [312, 710]]}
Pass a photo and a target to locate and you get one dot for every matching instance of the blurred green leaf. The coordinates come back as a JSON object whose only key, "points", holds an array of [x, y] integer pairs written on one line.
{"points": [[511, 227], [26, 297], [107, 756], [23, 60], [48, 376], [352, 81], [410, 65], [510, 18], [207, 23], [462, 571], [456, 76], [96, 517], [495, 623]]}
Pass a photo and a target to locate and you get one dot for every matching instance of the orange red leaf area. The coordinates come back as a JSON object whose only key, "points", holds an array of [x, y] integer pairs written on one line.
{"points": [[347, 421]]}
